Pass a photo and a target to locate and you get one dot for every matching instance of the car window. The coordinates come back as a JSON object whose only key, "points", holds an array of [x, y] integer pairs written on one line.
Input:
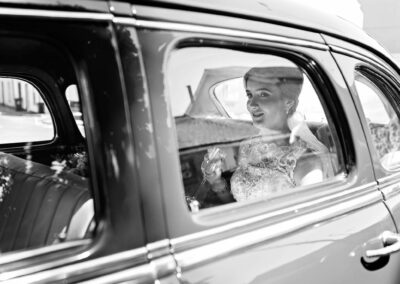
{"points": [[71, 93], [229, 93], [45, 194], [249, 126], [383, 121], [24, 116]]}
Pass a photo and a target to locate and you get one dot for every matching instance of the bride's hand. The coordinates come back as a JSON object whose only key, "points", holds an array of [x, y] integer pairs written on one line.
{"points": [[212, 165]]}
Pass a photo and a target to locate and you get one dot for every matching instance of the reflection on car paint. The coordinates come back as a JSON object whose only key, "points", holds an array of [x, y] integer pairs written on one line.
{"points": [[6, 180]]}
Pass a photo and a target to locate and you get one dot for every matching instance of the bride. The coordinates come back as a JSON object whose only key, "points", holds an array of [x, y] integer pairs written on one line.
{"points": [[283, 155]]}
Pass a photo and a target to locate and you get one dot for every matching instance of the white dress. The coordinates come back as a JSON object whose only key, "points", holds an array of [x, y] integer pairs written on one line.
{"points": [[265, 168]]}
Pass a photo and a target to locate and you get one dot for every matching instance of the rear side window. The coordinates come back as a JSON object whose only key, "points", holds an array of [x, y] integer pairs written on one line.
{"points": [[45, 195], [74, 102], [24, 116], [250, 126], [383, 121]]}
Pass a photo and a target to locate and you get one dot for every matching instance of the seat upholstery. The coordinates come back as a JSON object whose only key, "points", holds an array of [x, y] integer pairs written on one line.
{"points": [[36, 202]]}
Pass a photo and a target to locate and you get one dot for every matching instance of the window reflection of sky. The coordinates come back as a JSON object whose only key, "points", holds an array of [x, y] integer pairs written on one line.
{"points": [[186, 67], [373, 107]]}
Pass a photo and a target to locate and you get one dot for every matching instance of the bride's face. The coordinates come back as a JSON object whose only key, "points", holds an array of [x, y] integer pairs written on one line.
{"points": [[265, 103]]}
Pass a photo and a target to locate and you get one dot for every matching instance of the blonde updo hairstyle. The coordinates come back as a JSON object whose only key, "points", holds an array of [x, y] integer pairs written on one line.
{"points": [[289, 79]]}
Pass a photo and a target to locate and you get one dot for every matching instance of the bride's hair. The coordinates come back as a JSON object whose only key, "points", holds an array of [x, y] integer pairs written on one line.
{"points": [[289, 79]]}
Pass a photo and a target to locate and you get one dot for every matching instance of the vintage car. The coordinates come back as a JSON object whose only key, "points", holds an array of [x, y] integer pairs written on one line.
{"points": [[109, 111]]}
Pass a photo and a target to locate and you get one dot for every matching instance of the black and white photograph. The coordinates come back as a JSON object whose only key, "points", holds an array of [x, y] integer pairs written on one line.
{"points": [[200, 141]]}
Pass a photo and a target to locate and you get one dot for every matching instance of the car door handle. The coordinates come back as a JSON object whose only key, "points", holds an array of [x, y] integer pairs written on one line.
{"points": [[391, 243]]}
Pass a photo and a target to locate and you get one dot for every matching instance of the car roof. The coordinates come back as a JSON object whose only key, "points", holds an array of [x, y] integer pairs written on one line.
{"points": [[284, 12]]}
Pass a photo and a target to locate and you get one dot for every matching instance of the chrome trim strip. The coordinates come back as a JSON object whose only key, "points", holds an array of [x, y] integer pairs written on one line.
{"points": [[139, 274], [158, 249], [360, 56], [367, 188], [134, 11], [218, 31], [206, 253], [55, 14], [125, 21], [16, 256], [390, 179], [390, 185], [72, 269]]}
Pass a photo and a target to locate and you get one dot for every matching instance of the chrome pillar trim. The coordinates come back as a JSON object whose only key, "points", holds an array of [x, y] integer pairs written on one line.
{"points": [[125, 21], [370, 188], [134, 11], [56, 274], [56, 14], [218, 31], [16, 256], [193, 257], [361, 56]]}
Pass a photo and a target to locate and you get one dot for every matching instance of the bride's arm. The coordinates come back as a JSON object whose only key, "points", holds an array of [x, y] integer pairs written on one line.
{"points": [[212, 174], [309, 169]]}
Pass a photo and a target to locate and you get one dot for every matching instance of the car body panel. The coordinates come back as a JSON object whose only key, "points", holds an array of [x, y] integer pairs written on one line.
{"points": [[312, 255], [285, 13], [141, 117]]}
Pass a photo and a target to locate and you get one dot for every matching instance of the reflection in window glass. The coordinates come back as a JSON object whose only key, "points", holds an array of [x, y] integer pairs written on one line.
{"points": [[231, 94], [383, 122], [250, 126], [71, 93], [24, 116]]}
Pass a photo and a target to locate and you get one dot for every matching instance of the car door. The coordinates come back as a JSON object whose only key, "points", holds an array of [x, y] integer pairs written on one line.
{"points": [[46, 203], [375, 85], [315, 234]]}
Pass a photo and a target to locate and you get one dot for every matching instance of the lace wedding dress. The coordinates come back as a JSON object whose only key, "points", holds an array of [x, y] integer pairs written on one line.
{"points": [[265, 168]]}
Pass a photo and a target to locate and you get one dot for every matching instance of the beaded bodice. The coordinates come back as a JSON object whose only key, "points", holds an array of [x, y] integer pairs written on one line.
{"points": [[265, 168]]}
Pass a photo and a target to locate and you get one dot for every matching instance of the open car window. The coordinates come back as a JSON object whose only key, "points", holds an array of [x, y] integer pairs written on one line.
{"points": [[250, 126]]}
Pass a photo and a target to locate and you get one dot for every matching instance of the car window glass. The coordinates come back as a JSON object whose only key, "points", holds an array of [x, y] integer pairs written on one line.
{"points": [[45, 195], [24, 115], [249, 126], [383, 122], [71, 93]]}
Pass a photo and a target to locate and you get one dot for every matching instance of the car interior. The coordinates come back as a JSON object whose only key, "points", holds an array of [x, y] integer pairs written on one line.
{"points": [[44, 184]]}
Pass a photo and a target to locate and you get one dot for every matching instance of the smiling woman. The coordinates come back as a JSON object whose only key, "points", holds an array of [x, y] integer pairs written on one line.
{"points": [[253, 129]]}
